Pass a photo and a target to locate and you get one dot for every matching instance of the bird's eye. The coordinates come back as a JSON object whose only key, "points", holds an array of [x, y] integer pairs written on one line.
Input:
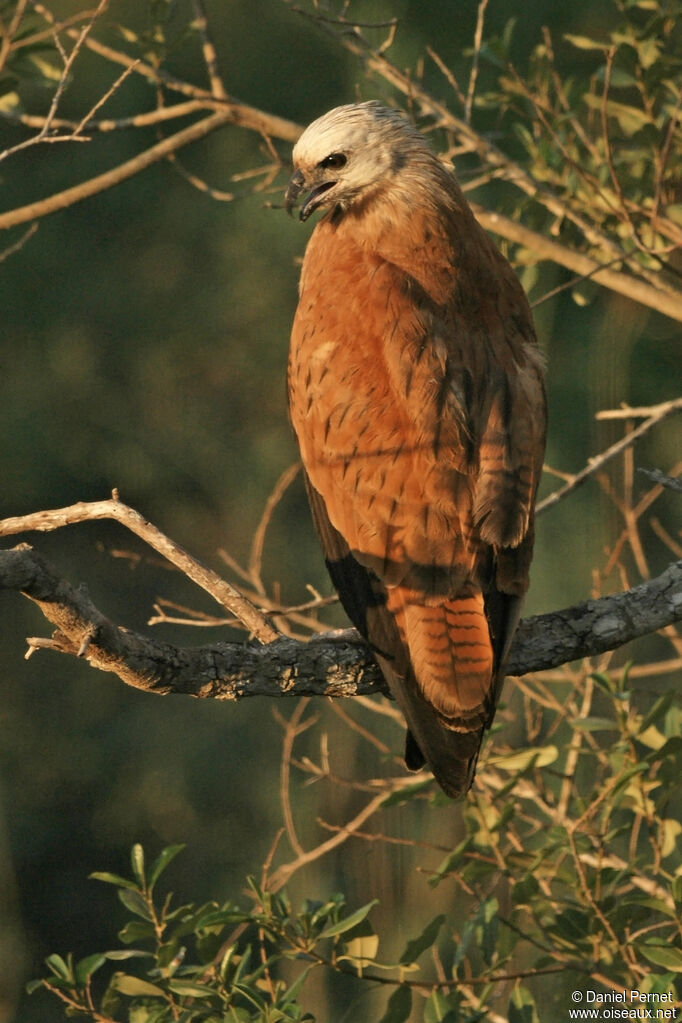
{"points": [[333, 160]]}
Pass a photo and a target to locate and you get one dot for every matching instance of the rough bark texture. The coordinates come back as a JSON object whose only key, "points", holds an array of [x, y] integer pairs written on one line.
{"points": [[334, 664]]}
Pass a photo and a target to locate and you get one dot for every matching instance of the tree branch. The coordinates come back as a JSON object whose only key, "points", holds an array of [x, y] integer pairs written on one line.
{"points": [[546, 249], [232, 113], [654, 416], [333, 664], [84, 511]]}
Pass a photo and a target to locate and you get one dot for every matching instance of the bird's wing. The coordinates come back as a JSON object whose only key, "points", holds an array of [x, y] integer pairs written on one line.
{"points": [[402, 409], [363, 597]]}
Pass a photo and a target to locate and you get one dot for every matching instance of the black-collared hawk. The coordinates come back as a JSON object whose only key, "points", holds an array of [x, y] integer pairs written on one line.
{"points": [[416, 394]]}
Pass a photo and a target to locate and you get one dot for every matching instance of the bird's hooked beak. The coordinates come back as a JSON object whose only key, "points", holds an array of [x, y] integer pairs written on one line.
{"points": [[298, 184]]}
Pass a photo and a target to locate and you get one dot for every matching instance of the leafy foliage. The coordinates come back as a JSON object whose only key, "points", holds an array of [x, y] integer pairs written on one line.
{"points": [[573, 868], [607, 142]]}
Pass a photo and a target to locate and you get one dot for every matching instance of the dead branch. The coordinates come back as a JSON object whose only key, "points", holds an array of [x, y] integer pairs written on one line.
{"points": [[231, 113], [654, 415], [333, 664], [225, 594]]}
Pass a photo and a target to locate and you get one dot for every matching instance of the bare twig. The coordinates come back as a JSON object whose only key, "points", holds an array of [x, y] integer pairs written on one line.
{"points": [[19, 244], [282, 875], [147, 119], [217, 194], [231, 113], [7, 37], [210, 56], [219, 589], [657, 413], [258, 542], [293, 727], [473, 76], [101, 182], [44, 135]]}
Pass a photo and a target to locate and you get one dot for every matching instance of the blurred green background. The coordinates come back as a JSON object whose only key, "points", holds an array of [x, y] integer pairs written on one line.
{"points": [[143, 343]]}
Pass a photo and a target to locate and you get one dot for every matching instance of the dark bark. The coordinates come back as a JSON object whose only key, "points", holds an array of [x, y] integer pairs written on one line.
{"points": [[333, 664]]}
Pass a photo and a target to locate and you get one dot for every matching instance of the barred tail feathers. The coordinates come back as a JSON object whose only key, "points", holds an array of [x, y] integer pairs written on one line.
{"points": [[451, 661], [451, 654]]}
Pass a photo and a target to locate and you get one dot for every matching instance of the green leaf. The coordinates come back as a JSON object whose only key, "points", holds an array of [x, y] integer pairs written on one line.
{"points": [[524, 890], [441, 1008], [657, 712], [523, 759], [133, 901], [167, 855], [594, 724], [238, 1015], [399, 1006], [349, 922], [10, 103], [487, 924], [120, 882], [630, 119], [135, 986], [670, 830], [407, 792], [59, 968], [451, 861], [33, 986], [667, 956], [128, 953], [50, 72], [361, 950], [137, 862], [584, 43], [190, 990], [86, 967], [292, 993], [136, 930], [605, 681], [677, 891], [417, 946], [522, 1006]]}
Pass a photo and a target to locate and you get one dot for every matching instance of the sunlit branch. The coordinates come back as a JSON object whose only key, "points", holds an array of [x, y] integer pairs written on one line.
{"points": [[223, 592], [332, 664]]}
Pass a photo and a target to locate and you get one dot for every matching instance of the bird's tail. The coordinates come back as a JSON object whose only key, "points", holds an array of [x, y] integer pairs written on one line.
{"points": [[451, 661]]}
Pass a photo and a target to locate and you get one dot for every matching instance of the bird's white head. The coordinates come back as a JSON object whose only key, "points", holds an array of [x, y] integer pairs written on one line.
{"points": [[349, 154]]}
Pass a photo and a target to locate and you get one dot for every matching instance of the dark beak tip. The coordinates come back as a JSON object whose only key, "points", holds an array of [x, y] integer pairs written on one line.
{"points": [[294, 189]]}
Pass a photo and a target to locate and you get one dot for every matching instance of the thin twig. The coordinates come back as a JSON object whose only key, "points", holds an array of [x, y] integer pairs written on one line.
{"points": [[206, 578], [258, 542], [210, 56], [19, 244], [103, 100], [69, 59], [659, 412], [101, 182], [292, 729], [7, 39], [282, 875], [473, 76], [217, 194]]}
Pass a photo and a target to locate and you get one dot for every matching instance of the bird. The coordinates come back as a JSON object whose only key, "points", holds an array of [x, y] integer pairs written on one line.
{"points": [[416, 393]]}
